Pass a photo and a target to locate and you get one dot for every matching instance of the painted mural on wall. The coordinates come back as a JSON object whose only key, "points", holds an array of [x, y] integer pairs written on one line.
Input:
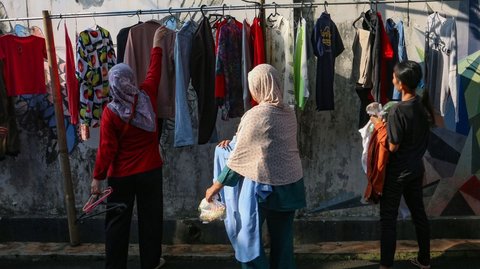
{"points": [[452, 161], [35, 114]]}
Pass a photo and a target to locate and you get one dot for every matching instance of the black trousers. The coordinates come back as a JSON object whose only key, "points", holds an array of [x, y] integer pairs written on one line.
{"points": [[389, 203], [146, 188]]}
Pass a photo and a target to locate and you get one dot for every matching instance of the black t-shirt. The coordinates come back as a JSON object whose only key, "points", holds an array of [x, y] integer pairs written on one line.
{"points": [[409, 128]]}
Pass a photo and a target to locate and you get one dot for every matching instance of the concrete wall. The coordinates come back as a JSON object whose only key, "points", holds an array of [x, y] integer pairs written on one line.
{"points": [[31, 183]]}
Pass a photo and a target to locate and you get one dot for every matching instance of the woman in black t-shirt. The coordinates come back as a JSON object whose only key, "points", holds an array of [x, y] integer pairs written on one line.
{"points": [[408, 128]]}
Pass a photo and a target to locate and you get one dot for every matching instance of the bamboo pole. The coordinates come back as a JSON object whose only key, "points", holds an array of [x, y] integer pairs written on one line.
{"points": [[61, 136]]}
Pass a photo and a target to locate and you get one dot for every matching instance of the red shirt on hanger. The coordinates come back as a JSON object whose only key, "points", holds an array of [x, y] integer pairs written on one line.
{"points": [[23, 60], [258, 43]]}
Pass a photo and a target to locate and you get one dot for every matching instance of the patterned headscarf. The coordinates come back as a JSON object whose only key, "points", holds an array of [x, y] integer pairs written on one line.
{"points": [[265, 86], [266, 150], [124, 92]]}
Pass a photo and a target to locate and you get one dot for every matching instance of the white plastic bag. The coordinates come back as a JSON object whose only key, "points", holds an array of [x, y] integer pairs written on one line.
{"points": [[211, 211]]}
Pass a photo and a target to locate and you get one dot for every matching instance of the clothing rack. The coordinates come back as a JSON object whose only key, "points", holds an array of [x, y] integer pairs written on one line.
{"points": [[55, 80], [215, 8]]}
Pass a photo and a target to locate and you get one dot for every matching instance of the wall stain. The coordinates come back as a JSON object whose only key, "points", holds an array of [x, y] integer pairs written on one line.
{"points": [[89, 3]]}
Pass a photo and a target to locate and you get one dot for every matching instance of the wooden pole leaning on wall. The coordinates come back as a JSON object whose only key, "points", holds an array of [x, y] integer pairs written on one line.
{"points": [[61, 136]]}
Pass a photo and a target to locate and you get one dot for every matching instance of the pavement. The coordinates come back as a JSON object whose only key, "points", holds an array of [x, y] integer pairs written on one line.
{"points": [[326, 251]]}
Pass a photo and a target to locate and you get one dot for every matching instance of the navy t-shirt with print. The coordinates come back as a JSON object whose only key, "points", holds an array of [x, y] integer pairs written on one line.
{"points": [[408, 127], [327, 45]]}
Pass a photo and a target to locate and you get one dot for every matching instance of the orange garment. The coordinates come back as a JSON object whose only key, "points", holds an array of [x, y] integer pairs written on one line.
{"points": [[377, 159]]}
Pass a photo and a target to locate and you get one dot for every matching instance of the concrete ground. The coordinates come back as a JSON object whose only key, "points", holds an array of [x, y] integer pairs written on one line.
{"points": [[446, 253], [452, 263]]}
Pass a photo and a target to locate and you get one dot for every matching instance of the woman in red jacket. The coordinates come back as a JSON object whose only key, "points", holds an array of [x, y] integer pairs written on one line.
{"points": [[128, 156]]}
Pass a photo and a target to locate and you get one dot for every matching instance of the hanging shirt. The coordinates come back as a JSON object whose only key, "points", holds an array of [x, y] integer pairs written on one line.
{"points": [[71, 80], [381, 53], [397, 39], [247, 62], [279, 41], [122, 38], [258, 42], [95, 56], [327, 45], [202, 71], [300, 66], [229, 65], [137, 49], [23, 64], [183, 121], [166, 89], [219, 78], [386, 56], [441, 62], [362, 58]]}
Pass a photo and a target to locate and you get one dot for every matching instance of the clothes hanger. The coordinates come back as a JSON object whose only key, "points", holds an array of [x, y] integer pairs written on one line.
{"points": [[172, 18], [137, 13], [201, 10], [310, 9], [325, 5], [58, 25], [272, 17], [229, 16], [94, 21], [365, 19]]}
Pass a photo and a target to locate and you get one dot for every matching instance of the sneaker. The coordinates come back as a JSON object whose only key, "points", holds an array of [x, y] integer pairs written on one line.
{"points": [[161, 264], [418, 264]]}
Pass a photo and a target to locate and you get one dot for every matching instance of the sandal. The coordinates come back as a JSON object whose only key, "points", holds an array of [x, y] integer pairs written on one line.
{"points": [[418, 264]]}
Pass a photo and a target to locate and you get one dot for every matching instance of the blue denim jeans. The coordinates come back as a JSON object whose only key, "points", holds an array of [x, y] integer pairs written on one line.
{"points": [[183, 123]]}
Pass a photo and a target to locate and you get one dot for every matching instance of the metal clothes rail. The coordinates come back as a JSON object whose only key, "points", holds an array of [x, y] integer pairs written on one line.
{"points": [[224, 7]]}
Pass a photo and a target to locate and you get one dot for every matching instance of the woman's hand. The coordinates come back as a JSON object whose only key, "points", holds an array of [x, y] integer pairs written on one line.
{"points": [[159, 34], [225, 144], [95, 186], [212, 191]]}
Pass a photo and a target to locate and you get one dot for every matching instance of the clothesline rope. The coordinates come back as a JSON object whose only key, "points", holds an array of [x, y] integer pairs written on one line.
{"points": [[213, 8]]}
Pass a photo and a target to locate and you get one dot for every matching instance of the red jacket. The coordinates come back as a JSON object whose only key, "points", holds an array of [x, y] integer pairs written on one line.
{"points": [[377, 159], [126, 150]]}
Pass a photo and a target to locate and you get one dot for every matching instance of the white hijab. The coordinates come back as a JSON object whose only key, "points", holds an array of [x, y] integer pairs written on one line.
{"points": [[266, 149]]}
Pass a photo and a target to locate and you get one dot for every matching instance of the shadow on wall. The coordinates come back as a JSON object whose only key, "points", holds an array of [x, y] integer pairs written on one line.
{"points": [[89, 3]]}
